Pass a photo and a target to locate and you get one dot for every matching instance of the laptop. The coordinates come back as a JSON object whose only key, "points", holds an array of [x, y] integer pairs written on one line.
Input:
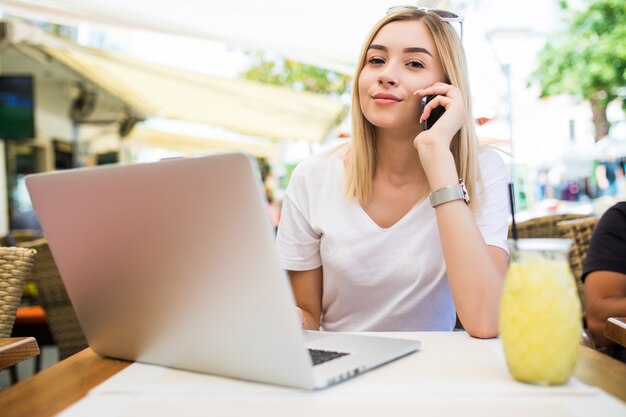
{"points": [[174, 263]]}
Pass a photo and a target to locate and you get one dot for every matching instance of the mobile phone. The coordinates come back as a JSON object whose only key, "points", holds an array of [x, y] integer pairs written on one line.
{"points": [[435, 113]]}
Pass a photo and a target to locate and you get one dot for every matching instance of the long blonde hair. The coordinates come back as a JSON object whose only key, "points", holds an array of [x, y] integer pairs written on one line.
{"points": [[361, 158]]}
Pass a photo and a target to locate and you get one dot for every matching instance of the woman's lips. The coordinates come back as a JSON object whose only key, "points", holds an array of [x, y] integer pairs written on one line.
{"points": [[384, 98]]}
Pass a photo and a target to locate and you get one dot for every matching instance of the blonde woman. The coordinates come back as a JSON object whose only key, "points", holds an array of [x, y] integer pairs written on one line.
{"points": [[379, 235]]}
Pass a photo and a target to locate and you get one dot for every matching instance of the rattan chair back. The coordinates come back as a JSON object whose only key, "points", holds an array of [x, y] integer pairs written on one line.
{"points": [[16, 266], [62, 321], [579, 231], [544, 226]]}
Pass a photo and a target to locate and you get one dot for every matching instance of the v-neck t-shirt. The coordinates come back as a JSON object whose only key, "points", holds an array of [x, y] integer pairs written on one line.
{"points": [[374, 278]]}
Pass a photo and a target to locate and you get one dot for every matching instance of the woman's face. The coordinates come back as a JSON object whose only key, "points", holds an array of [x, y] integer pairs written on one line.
{"points": [[400, 60]]}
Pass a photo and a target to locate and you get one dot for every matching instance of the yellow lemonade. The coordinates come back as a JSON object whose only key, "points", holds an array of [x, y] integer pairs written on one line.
{"points": [[540, 312]]}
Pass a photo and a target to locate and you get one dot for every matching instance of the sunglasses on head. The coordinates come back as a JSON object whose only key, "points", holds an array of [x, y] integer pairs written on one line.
{"points": [[445, 15]]}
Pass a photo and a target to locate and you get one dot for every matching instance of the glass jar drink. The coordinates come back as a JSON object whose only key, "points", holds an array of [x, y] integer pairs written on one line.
{"points": [[540, 312]]}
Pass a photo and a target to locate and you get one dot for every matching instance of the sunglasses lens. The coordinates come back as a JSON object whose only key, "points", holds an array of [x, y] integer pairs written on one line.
{"points": [[394, 9], [444, 14]]}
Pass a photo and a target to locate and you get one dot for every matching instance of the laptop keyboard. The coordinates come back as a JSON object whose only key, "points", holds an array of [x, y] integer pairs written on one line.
{"points": [[320, 356]]}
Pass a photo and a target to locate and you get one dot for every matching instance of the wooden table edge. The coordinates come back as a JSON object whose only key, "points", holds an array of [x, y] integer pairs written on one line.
{"points": [[79, 374], [14, 350], [615, 329], [602, 371]]}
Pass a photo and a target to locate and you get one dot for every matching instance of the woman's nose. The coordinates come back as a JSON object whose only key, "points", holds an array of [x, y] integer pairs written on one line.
{"points": [[387, 77], [387, 80]]}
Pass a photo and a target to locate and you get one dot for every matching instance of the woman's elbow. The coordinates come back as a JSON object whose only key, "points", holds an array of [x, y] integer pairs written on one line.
{"points": [[482, 329]]}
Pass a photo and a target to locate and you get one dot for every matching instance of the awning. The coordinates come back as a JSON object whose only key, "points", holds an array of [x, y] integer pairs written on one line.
{"points": [[326, 33], [242, 106], [194, 144]]}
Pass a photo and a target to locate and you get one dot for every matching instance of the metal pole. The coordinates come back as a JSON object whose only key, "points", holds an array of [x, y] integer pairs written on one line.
{"points": [[506, 69]]}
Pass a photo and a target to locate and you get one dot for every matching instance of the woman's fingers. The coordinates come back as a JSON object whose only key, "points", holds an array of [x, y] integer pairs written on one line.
{"points": [[442, 101], [448, 97]]}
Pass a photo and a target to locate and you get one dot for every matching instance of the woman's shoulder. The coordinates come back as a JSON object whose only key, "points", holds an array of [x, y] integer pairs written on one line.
{"points": [[491, 162], [319, 169], [488, 155], [492, 165]]}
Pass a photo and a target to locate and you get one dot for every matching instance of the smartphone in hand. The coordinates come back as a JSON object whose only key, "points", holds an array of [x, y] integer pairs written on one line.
{"points": [[435, 114]]}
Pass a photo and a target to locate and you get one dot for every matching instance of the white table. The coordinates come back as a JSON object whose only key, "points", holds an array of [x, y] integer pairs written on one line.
{"points": [[453, 375]]}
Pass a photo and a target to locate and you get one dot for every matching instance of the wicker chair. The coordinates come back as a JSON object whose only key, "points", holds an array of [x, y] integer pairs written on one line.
{"points": [[544, 226], [16, 265], [579, 231], [52, 296]]}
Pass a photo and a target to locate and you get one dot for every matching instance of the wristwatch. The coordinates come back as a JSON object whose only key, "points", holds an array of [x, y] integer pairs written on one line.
{"points": [[449, 193]]}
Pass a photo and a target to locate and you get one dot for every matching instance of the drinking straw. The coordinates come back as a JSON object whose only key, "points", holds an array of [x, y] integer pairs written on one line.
{"points": [[512, 205]]}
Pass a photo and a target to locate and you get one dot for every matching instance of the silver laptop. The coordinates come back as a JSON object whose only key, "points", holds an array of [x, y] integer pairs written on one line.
{"points": [[174, 263]]}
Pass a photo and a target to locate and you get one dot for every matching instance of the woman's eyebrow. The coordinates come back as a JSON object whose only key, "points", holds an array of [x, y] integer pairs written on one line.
{"points": [[418, 49], [379, 47], [405, 50]]}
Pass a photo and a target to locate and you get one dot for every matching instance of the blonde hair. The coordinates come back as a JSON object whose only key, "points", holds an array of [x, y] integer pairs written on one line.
{"points": [[361, 158]]}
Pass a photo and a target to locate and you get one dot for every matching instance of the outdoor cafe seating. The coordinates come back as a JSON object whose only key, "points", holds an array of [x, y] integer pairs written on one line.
{"points": [[52, 296], [15, 268]]}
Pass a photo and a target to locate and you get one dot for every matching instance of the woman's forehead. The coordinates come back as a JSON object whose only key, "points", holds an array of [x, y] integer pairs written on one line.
{"points": [[404, 32]]}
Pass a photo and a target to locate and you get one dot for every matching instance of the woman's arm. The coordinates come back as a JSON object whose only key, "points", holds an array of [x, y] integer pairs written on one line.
{"points": [[605, 296], [307, 289], [475, 270]]}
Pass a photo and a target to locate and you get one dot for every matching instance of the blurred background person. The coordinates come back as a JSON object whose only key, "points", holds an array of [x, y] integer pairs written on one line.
{"points": [[604, 275]]}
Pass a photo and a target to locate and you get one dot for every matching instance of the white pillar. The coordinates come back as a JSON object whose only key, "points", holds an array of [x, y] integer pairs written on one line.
{"points": [[4, 201]]}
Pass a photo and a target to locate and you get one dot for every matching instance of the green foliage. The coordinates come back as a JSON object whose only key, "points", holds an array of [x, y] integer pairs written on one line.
{"points": [[588, 60], [301, 77]]}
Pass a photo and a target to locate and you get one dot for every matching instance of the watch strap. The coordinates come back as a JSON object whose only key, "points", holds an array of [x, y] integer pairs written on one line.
{"points": [[449, 193]]}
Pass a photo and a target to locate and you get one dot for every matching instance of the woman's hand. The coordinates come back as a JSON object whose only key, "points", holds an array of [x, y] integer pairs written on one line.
{"points": [[303, 319], [307, 288], [450, 98], [433, 145]]}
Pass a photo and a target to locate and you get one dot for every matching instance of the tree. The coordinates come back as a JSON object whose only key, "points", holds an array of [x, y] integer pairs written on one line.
{"points": [[588, 60], [302, 77]]}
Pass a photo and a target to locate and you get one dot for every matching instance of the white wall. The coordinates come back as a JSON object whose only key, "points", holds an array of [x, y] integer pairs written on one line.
{"points": [[55, 90]]}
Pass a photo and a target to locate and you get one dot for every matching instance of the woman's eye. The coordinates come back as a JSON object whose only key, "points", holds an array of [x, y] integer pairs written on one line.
{"points": [[415, 64], [375, 60]]}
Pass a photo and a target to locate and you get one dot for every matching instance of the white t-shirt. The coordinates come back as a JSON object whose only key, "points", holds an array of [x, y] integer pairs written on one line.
{"points": [[377, 279]]}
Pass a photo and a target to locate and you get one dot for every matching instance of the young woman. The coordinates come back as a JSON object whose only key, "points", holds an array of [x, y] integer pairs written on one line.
{"points": [[365, 246]]}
